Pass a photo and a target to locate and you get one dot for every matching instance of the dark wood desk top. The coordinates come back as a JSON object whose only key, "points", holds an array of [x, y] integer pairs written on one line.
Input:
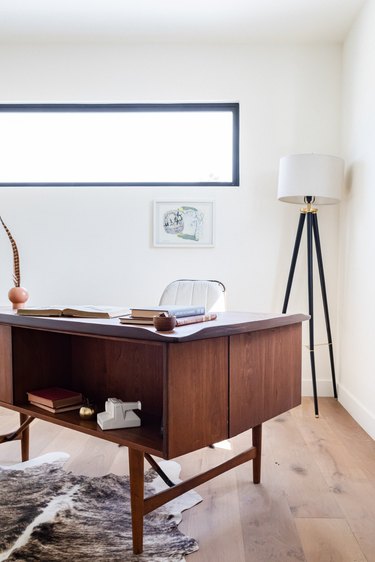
{"points": [[227, 324]]}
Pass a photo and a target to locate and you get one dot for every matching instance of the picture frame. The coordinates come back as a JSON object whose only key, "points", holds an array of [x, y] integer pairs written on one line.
{"points": [[184, 224]]}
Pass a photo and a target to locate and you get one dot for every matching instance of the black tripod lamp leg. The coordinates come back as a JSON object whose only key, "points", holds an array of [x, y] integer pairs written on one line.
{"points": [[325, 300], [311, 308], [294, 260]]}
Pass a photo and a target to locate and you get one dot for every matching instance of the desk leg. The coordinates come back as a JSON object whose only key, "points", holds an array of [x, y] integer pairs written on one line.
{"points": [[21, 433], [136, 469], [257, 443], [25, 439]]}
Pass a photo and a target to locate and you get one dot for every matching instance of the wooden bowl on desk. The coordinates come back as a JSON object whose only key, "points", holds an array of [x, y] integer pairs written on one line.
{"points": [[164, 323]]}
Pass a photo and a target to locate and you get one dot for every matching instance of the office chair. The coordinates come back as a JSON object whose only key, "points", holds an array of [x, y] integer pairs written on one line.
{"points": [[206, 292]]}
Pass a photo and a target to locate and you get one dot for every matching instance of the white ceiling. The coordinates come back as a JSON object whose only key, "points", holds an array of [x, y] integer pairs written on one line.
{"points": [[177, 20]]}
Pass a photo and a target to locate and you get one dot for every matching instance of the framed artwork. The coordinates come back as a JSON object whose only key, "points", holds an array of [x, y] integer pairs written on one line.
{"points": [[184, 224]]}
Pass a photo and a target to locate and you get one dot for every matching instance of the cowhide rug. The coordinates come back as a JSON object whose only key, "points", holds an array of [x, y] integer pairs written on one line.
{"points": [[50, 515]]}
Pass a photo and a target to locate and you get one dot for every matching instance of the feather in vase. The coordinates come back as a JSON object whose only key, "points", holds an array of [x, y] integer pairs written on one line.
{"points": [[16, 258]]}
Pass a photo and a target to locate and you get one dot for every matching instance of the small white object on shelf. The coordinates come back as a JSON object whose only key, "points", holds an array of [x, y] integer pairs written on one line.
{"points": [[119, 414]]}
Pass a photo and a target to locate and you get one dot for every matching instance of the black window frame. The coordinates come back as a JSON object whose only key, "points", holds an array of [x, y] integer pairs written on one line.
{"points": [[133, 107]]}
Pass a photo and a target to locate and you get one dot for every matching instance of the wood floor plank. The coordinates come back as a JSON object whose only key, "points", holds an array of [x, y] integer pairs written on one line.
{"points": [[344, 472], [214, 520], [267, 529], [298, 473], [219, 509], [268, 525], [350, 434], [328, 540]]}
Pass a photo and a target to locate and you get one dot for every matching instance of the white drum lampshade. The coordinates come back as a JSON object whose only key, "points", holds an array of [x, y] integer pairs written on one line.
{"points": [[320, 176]]}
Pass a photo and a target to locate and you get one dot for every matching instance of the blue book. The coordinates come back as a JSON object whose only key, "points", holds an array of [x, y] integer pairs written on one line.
{"points": [[169, 309]]}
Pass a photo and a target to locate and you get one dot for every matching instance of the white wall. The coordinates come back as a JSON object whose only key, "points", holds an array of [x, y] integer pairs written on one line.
{"points": [[357, 264], [95, 245]]}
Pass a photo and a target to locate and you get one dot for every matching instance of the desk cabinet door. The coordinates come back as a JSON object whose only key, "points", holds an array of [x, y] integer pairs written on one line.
{"points": [[265, 376], [197, 395]]}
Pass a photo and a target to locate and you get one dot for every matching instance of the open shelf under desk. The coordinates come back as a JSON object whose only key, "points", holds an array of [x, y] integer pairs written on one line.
{"points": [[148, 437]]}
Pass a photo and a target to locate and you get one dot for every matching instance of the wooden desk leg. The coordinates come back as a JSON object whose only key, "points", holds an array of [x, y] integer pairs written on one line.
{"points": [[257, 442], [25, 439], [136, 469]]}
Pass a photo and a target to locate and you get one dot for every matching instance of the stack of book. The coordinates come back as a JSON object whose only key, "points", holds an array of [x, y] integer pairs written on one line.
{"points": [[55, 399], [184, 314]]}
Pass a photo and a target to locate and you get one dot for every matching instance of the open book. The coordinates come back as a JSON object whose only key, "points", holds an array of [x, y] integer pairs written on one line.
{"points": [[87, 311]]}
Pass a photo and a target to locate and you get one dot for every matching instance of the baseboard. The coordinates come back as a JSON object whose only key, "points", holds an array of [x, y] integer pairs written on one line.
{"points": [[357, 410], [324, 387]]}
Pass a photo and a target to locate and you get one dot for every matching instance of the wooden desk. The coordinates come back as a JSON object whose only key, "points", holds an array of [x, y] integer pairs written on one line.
{"points": [[198, 385]]}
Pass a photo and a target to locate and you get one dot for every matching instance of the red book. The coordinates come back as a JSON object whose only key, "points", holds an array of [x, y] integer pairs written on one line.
{"points": [[55, 397], [196, 319], [57, 410]]}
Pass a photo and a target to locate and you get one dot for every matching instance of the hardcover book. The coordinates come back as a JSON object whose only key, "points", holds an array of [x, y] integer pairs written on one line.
{"points": [[170, 310], [54, 397], [196, 319], [129, 319], [57, 410]]}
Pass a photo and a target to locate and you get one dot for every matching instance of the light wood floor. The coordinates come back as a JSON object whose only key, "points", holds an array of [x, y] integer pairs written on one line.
{"points": [[316, 501]]}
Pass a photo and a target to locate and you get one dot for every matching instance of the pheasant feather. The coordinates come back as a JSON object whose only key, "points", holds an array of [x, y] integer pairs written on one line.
{"points": [[16, 257]]}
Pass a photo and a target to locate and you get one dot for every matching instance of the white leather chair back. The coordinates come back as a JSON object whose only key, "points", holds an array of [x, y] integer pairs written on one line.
{"points": [[208, 293]]}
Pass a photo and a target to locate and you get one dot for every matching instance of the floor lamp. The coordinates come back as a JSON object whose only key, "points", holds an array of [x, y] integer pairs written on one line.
{"points": [[311, 179]]}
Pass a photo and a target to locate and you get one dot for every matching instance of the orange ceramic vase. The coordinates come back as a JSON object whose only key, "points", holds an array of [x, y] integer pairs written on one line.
{"points": [[18, 296]]}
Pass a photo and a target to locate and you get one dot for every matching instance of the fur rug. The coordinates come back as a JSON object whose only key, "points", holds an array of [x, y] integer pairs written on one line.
{"points": [[50, 515]]}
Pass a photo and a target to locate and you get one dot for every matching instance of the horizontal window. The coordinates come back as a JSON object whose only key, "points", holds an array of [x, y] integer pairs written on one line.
{"points": [[119, 144]]}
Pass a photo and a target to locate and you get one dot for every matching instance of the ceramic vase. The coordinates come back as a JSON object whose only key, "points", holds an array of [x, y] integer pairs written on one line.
{"points": [[18, 296]]}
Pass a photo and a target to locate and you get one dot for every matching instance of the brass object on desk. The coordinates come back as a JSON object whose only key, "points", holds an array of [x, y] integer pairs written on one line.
{"points": [[87, 411]]}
